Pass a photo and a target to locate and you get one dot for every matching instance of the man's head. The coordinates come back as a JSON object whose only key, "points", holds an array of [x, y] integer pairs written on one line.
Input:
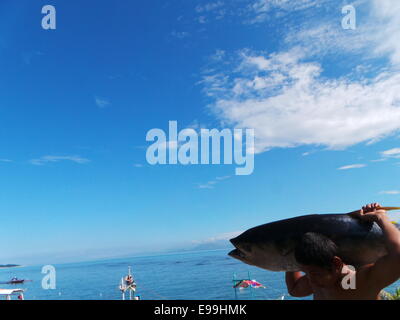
{"points": [[318, 258]]}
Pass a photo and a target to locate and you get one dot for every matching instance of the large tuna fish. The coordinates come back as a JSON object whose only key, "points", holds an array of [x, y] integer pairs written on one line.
{"points": [[271, 246]]}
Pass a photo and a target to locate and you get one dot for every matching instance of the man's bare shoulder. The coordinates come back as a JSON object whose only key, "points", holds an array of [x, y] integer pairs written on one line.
{"points": [[362, 272], [364, 278]]}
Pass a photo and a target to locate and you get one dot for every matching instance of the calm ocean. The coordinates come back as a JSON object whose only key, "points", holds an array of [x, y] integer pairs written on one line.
{"points": [[196, 275]]}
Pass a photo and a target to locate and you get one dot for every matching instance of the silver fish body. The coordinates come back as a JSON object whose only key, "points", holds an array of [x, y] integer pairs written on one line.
{"points": [[271, 246]]}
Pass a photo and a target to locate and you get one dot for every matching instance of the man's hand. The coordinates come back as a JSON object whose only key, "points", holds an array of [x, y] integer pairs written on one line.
{"points": [[297, 284], [386, 270], [371, 212]]}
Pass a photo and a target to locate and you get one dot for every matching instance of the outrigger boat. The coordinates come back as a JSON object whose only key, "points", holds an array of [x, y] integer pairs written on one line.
{"points": [[17, 281], [128, 284], [7, 294]]}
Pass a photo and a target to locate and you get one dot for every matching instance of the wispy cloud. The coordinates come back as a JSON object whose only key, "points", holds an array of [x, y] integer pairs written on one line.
{"points": [[260, 10], [387, 15], [222, 236], [282, 91], [391, 192], [352, 166], [307, 153], [388, 154], [211, 184], [180, 34], [222, 178], [208, 185], [392, 153], [6, 160], [287, 96], [101, 102], [378, 37], [27, 57], [211, 6], [254, 11], [202, 19], [46, 159], [215, 10], [379, 160]]}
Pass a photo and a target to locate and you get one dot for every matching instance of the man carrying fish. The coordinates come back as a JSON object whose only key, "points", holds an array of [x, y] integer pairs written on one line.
{"points": [[343, 256], [325, 270]]}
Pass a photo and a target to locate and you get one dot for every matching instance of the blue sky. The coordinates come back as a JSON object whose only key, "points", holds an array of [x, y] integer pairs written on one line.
{"points": [[76, 104]]}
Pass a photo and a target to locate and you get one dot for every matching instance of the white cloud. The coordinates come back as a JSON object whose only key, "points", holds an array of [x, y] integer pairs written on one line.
{"points": [[392, 192], [46, 159], [307, 153], [218, 55], [379, 160], [202, 19], [222, 236], [352, 166], [288, 5], [261, 10], [287, 97], [211, 184], [375, 37], [387, 24], [213, 10], [327, 37], [222, 178], [211, 6], [101, 102], [206, 186], [289, 103], [180, 34], [5, 160], [392, 153]]}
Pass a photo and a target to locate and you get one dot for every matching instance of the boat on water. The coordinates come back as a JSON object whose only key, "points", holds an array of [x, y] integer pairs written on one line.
{"points": [[8, 294], [128, 285], [17, 281]]}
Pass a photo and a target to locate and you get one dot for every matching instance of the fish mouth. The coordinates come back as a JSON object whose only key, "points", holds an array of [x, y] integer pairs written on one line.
{"points": [[237, 254]]}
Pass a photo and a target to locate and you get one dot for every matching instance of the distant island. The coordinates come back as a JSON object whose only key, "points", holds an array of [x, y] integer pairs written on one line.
{"points": [[2, 266]]}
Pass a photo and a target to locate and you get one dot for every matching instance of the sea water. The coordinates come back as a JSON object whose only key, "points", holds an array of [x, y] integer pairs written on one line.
{"points": [[194, 275]]}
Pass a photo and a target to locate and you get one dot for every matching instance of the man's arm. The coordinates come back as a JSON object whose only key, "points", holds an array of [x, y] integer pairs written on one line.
{"points": [[297, 284], [386, 270]]}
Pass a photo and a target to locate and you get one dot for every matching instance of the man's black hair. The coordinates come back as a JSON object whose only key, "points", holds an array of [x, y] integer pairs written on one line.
{"points": [[316, 250]]}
